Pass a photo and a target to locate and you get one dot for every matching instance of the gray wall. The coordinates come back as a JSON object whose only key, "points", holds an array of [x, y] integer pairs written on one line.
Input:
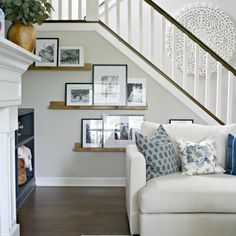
{"points": [[58, 130]]}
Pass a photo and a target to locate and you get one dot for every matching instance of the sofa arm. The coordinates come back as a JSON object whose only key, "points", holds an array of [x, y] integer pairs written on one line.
{"points": [[135, 180]]}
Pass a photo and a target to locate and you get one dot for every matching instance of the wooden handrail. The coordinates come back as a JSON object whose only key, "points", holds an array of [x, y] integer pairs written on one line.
{"points": [[162, 73], [191, 36], [147, 61]]}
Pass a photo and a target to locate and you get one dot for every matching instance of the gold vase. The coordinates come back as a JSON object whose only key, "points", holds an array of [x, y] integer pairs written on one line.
{"points": [[23, 35]]}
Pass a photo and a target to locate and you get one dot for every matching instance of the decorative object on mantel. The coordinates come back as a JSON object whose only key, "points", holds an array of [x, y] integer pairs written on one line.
{"points": [[211, 25], [2, 23], [22, 14]]}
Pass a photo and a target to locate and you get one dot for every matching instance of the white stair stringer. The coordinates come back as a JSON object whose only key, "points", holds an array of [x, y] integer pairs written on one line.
{"points": [[109, 37]]}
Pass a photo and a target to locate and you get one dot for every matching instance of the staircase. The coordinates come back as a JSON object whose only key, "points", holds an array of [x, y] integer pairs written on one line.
{"points": [[139, 29]]}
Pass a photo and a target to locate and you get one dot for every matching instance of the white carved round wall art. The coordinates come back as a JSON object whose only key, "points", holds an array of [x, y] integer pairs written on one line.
{"points": [[212, 26]]}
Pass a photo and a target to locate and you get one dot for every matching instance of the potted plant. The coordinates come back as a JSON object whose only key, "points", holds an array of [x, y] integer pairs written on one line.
{"points": [[23, 14]]}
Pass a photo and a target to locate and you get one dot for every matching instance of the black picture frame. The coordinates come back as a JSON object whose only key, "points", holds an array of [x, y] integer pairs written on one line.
{"points": [[82, 91], [189, 121], [42, 48], [73, 56], [103, 76], [85, 143]]}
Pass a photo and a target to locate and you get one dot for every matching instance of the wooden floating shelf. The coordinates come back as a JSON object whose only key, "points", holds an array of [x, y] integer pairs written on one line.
{"points": [[86, 67], [78, 148], [60, 105]]}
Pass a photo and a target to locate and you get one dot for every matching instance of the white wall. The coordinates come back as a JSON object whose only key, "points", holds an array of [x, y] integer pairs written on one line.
{"points": [[58, 130]]}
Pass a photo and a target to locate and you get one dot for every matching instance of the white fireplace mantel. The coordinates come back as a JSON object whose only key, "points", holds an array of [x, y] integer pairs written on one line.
{"points": [[14, 61]]}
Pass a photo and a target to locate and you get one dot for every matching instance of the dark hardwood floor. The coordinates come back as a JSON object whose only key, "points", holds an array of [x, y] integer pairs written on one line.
{"points": [[73, 211]]}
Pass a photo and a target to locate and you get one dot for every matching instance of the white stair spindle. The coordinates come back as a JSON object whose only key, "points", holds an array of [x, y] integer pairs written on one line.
{"points": [[196, 72], [185, 63], [59, 9], [129, 22], [106, 11], [162, 51], [50, 17], [92, 10], [69, 9], [207, 82], [219, 90], [141, 25], [230, 98], [79, 9], [173, 69], [118, 17], [152, 35]]}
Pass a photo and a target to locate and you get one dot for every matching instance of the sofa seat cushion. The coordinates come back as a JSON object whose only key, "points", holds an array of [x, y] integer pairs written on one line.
{"points": [[181, 193]]}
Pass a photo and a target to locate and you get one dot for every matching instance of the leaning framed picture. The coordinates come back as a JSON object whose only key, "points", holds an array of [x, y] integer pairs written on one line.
{"points": [[183, 121], [47, 50], [119, 130], [71, 56], [91, 133], [110, 85], [78, 94], [136, 92]]}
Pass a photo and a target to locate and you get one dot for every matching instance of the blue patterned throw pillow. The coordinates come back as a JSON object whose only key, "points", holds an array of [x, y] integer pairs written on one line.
{"points": [[161, 158], [231, 155], [199, 158]]}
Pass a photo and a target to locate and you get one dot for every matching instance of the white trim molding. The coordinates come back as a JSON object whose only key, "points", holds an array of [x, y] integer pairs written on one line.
{"points": [[14, 61], [81, 181]]}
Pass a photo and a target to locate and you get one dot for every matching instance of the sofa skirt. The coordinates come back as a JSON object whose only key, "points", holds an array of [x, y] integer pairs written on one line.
{"points": [[195, 224]]}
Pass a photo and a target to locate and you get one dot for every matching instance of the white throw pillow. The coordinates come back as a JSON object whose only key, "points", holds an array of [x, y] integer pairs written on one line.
{"points": [[198, 158]]}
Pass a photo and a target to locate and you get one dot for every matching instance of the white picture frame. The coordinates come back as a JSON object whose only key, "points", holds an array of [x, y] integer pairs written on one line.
{"points": [[119, 130], [91, 133], [110, 85], [136, 92], [78, 94], [47, 50], [71, 56]]}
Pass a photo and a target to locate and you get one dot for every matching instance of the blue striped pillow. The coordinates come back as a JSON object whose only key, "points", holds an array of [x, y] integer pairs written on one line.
{"points": [[231, 155]]}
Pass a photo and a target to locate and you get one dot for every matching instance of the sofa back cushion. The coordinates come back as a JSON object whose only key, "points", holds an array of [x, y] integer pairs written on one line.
{"points": [[195, 133]]}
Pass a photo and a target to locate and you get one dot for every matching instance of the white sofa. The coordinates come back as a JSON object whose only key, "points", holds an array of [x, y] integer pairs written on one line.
{"points": [[176, 204]]}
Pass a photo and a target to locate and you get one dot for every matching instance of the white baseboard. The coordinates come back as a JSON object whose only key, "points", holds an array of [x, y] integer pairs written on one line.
{"points": [[90, 182], [15, 231]]}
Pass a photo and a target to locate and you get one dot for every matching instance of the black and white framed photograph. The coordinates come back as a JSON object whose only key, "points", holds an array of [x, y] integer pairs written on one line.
{"points": [[136, 92], [119, 130], [183, 121], [110, 83], [71, 56], [78, 94], [91, 133], [47, 50]]}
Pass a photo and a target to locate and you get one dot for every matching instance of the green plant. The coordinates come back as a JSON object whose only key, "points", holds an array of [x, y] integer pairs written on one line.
{"points": [[35, 11]]}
